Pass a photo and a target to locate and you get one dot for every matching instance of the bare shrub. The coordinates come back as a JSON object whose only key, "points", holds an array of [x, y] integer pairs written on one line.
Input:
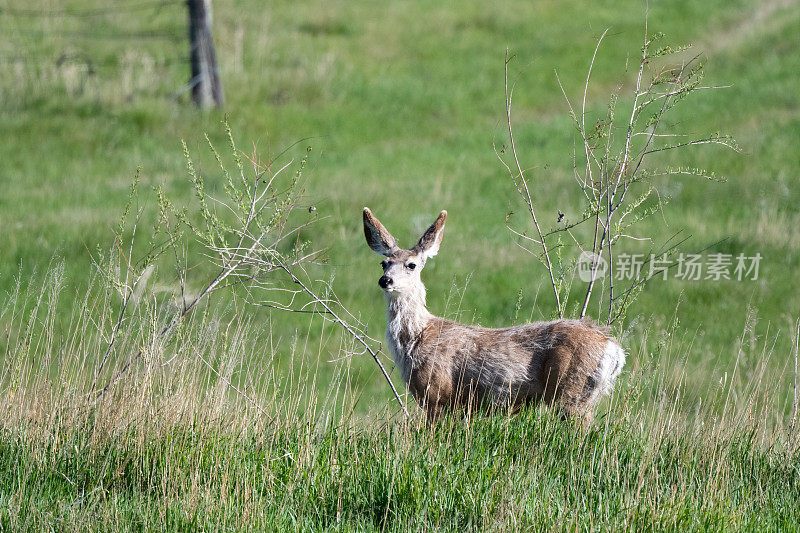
{"points": [[613, 175], [252, 237]]}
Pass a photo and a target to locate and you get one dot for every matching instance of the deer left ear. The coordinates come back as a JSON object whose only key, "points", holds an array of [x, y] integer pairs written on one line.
{"points": [[428, 244]]}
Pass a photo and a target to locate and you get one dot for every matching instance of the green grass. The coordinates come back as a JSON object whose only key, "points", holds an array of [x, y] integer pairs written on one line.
{"points": [[174, 447], [401, 104], [528, 472]]}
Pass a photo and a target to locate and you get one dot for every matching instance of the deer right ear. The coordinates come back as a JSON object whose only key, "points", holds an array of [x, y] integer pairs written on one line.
{"points": [[378, 238]]}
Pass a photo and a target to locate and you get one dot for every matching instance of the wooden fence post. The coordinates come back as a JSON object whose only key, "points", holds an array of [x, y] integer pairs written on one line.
{"points": [[205, 82]]}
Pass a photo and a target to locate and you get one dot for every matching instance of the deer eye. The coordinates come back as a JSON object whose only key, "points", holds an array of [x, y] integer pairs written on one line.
{"points": [[411, 266]]}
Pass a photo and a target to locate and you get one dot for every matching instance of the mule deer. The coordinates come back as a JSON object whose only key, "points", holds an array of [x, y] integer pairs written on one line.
{"points": [[450, 366]]}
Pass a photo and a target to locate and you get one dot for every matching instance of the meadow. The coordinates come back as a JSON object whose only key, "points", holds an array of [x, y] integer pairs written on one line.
{"points": [[250, 418]]}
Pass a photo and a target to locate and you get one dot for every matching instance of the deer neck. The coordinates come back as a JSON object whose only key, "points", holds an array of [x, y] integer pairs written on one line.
{"points": [[406, 317]]}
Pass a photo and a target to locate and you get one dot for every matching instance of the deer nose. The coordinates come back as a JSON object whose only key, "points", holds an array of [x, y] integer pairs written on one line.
{"points": [[384, 282]]}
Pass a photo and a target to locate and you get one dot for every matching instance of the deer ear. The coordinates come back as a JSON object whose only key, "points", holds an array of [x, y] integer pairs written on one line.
{"points": [[378, 238], [428, 244]]}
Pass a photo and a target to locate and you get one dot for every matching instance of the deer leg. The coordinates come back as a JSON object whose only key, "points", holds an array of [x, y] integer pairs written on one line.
{"points": [[580, 414]]}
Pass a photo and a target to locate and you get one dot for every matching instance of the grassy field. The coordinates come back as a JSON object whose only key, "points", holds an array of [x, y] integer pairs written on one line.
{"points": [[401, 104], [174, 448]]}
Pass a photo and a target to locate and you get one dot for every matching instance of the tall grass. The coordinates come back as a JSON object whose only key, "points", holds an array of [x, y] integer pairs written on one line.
{"points": [[205, 433]]}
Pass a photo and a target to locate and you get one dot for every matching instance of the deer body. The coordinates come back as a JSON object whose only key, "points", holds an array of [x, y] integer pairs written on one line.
{"points": [[451, 366]]}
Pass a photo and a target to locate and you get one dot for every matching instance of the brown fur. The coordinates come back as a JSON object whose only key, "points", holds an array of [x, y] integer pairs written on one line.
{"points": [[454, 367]]}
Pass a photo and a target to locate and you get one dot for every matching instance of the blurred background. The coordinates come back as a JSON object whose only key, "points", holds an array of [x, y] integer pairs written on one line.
{"points": [[401, 103]]}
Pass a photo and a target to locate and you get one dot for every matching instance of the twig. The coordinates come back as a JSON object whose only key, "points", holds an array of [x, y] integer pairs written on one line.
{"points": [[527, 194], [355, 335], [237, 389], [796, 383]]}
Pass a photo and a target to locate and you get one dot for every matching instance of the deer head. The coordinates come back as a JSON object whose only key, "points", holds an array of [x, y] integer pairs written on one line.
{"points": [[401, 268]]}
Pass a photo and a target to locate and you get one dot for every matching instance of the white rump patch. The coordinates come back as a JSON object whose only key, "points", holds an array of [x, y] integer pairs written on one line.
{"points": [[610, 367]]}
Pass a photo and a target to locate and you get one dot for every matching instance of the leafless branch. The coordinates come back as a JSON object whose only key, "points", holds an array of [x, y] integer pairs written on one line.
{"points": [[522, 187]]}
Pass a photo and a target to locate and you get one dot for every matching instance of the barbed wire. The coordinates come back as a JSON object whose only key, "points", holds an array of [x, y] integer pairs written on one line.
{"points": [[129, 35], [87, 31], [89, 12], [83, 59]]}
